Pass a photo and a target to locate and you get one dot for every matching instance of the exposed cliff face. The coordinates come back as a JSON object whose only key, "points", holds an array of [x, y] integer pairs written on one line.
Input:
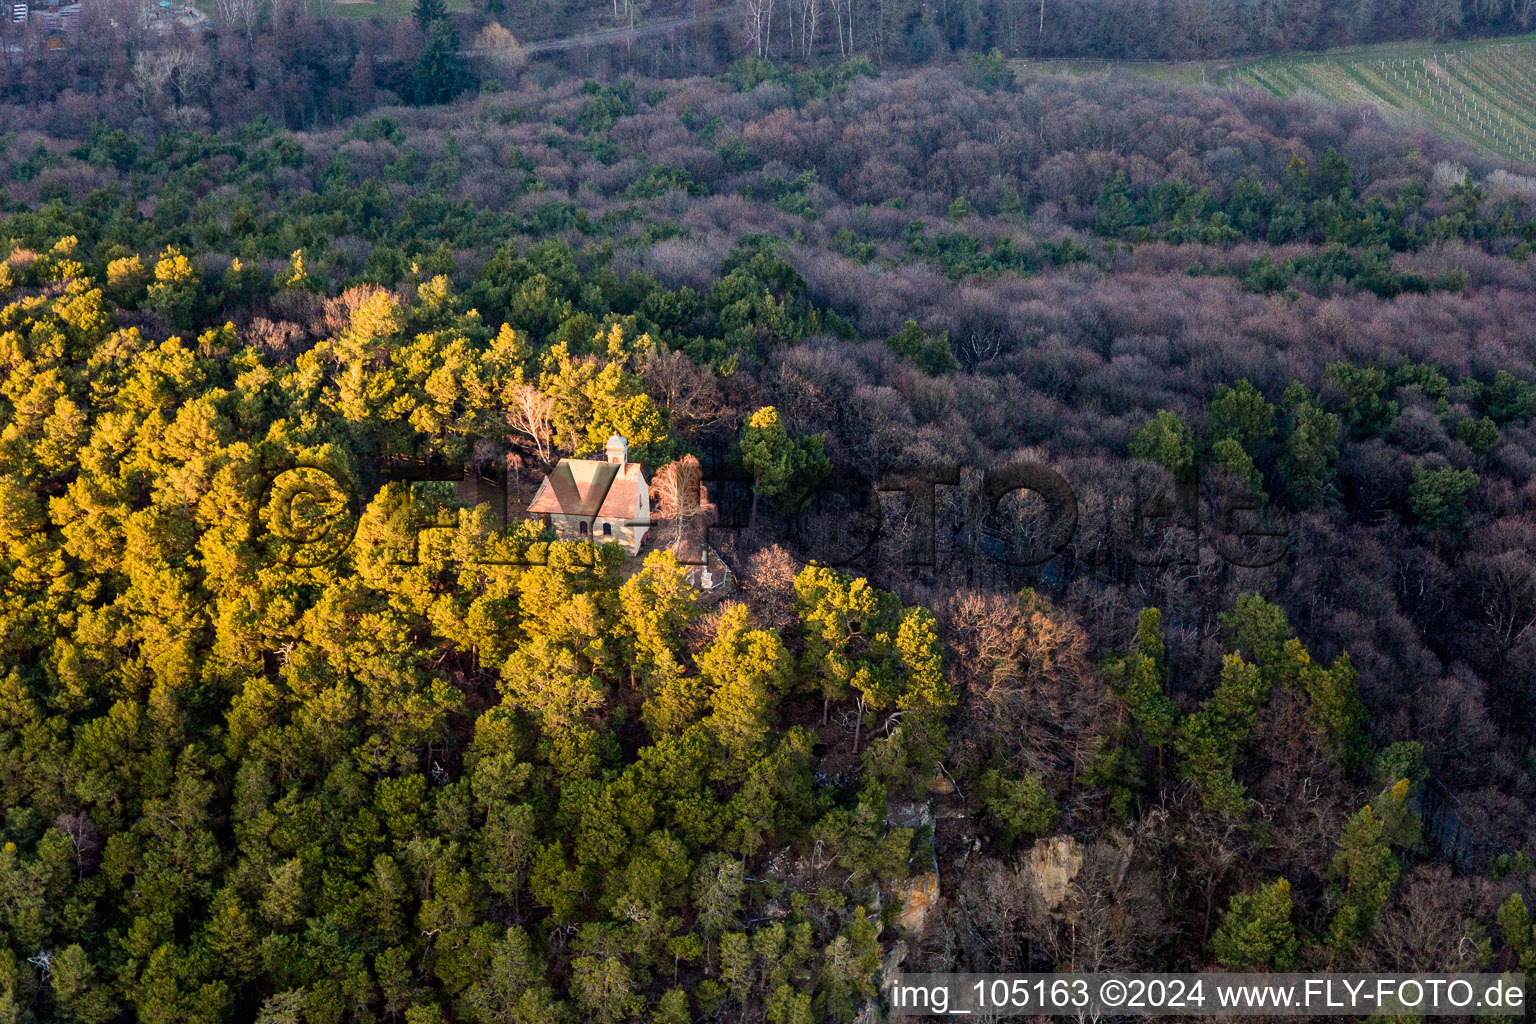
{"points": [[1052, 865], [1049, 867], [919, 895]]}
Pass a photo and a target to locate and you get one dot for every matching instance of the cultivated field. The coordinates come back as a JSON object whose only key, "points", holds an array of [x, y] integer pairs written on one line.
{"points": [[1483, 91]]}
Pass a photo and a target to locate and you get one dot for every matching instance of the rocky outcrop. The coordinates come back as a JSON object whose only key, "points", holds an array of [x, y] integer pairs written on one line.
{"points": [[910, 815], [1049, 867], [890, 964], [919, 895]]}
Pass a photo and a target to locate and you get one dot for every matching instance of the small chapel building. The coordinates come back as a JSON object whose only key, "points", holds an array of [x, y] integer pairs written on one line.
{"points": [[600, 500]]}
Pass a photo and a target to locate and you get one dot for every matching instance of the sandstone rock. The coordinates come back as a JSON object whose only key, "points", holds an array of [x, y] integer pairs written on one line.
{"points": [[940, 785], [1050, 866], [918, 896]]}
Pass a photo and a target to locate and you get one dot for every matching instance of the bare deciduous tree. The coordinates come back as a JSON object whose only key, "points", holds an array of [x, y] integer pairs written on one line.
{"points": [[530, 417], [808, 13], [759, 15], [151, 74], [629, 15], [84, 838], [842, 17], [177, 67], [678, 490], [241, 15], [769, 585], [498, 45], [692, 395], [279, 340]]}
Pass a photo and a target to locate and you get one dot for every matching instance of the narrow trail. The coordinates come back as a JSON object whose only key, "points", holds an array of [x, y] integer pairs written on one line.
{"points": [[616, 35]]}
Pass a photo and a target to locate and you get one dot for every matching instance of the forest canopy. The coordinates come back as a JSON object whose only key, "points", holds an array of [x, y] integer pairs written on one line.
{"points": [[460, 769]]}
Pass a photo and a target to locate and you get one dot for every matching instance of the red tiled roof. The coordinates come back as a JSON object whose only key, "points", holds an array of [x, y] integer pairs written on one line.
{"points": [[620, 502], [590, 487], [623, 498], [574, 494]]}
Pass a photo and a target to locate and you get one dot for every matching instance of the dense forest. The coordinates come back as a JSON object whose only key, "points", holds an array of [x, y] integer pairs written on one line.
{"points": [[301, 63], [461, 770]]}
